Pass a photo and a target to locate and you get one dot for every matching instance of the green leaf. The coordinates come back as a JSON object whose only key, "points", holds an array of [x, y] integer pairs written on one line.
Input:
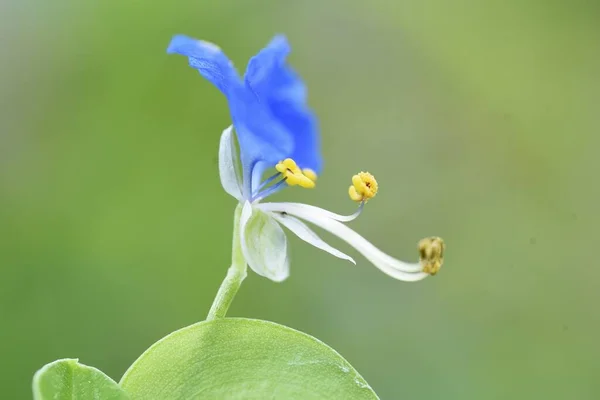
{"points": [[67, 379], [236, 358]]}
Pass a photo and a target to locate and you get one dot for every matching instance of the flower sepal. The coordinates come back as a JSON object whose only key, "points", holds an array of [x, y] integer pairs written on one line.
{"points": [[229, 164], [264, 244]]}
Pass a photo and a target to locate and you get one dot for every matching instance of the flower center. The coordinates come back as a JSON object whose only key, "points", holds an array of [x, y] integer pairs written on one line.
{"points": [[295, 176], [431, 250], [364, 187]]}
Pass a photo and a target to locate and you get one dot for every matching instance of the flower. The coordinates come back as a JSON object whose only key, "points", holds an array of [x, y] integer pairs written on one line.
{"points": [[275, 129]]}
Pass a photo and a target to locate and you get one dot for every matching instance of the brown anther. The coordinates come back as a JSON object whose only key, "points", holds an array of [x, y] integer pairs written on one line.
{"points": [[431, 250]]}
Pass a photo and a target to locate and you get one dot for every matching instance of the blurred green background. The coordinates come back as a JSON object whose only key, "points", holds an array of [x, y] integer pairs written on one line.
{"points": [[479, 119]]}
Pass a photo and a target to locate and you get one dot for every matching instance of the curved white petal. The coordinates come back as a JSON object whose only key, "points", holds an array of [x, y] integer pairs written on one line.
{"points": [[305, 233], [305, 208], [264, 244], [395, 268], [228, 161]]}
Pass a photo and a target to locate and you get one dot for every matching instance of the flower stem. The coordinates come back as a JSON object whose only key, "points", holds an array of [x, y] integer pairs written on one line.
{"points": [[235, 274]]}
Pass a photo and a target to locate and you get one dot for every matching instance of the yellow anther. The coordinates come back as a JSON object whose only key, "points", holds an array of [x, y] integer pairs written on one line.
{"points": [[364, 187], [310, 174], [287, 165], [294, 175], [300, 180], [431, 250]]}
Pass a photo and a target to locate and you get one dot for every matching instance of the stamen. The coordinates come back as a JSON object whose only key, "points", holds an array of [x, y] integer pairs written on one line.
{"points": [[431, 250], [364, 187], [267, 181], [354, 215], [310, 174], [294, 175], [270, 190]]}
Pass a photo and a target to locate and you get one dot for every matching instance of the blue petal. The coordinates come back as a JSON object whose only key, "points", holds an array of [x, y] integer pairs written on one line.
{"points": [[208, 59], [276, 84], [260, 67], [269, 76], [303, 124], [262, 137], [286, 85]]}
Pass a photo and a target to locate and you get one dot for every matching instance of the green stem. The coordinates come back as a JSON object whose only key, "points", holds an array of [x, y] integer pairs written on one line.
{"points": [[235, 274]]}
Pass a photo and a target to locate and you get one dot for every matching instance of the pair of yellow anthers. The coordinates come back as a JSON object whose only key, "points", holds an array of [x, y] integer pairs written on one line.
{"points": [[295, 176], [364, 187]]}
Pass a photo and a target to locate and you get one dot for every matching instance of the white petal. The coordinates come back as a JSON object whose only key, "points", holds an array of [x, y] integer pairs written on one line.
{"points": [[301, 208], [264, 244], [391, 266], [306, 234], [228, 162]]}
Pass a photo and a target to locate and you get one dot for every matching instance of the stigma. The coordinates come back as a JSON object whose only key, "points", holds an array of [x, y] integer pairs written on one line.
{"points": [[431, 250], [364, 187], [294, 176]]}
